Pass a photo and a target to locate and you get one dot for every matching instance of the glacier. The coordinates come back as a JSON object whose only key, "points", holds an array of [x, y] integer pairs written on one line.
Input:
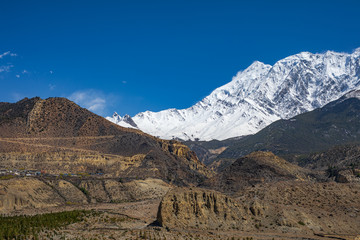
{"points": [[256, 97]]}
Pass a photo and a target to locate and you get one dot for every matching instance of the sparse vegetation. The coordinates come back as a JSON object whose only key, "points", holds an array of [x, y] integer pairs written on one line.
{"points": [[301, 223], [25, 227], [86, 192]]}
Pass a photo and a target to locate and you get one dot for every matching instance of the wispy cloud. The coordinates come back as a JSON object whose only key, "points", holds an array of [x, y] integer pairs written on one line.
{"points": [[5, 68], [8, 53], [91, 99]]}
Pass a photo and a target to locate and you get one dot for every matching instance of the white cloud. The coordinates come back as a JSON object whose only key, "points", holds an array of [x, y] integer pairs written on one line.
{"points": [[124, 82], [17, 75], [4, 54], [91, 99], [8, 53]]}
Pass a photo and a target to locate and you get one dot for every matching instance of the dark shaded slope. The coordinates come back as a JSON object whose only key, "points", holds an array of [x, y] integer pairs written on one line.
{"points": [[339, 157], [336, 123], [256, 168]]}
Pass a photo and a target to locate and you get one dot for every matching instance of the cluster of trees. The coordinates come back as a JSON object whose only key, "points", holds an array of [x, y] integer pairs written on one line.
{"points": [[25, 227]]}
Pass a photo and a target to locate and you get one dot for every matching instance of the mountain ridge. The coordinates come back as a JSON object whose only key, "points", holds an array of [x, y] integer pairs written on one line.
{"points": [[258, 96]]}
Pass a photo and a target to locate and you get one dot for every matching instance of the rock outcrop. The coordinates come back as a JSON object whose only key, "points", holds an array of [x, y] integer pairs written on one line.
{"points": [[200, 209]]}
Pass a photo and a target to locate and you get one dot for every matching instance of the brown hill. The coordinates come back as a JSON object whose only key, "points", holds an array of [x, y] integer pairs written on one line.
{"points": [[58, 136], [255, 168]]}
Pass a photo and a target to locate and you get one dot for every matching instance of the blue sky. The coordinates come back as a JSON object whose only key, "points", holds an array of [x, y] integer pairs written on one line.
{"points": [[132, 56]]}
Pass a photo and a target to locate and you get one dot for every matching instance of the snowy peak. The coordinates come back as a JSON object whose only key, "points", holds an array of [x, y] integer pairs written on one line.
{"points": [[257, 66], [125, 121], [256, 97], [116, 117], [244, 82]]}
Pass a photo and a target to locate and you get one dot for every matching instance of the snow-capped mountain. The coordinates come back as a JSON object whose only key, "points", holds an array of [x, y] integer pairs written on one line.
{"points": [[256, 97]]}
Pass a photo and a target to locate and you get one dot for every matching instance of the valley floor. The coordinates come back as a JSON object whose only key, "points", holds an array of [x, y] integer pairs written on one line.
{"points": [[137, 220]]}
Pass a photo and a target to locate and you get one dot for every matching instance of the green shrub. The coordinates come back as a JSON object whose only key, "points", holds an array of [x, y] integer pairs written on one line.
{"points": [[84, 191], [301, 223]]}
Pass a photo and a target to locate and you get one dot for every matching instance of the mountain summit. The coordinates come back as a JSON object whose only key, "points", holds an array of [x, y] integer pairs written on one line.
{"points": [[258, 96]]}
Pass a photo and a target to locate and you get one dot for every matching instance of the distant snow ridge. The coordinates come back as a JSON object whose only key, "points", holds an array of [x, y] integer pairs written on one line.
{"points": [[256, 97]]}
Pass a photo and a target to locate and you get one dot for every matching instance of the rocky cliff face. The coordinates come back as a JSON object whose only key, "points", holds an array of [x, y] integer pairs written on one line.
{"points": [[258, 96], [200, 209]]}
